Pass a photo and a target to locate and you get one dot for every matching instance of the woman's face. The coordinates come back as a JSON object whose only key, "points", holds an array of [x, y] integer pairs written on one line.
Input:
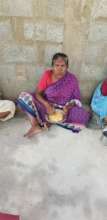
{"points": [[59, 68]]}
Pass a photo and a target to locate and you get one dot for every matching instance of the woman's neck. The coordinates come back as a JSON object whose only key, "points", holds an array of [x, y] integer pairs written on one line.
{"points": [[56, 78]]}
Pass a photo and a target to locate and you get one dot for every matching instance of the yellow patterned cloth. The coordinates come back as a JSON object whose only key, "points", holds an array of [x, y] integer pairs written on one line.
{"points": [[56, 116]]}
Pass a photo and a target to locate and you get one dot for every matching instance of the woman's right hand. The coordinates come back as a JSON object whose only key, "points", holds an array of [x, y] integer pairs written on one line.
{"points": [[50, 109]]}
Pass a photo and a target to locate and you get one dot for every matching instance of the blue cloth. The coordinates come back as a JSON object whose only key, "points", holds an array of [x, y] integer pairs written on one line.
{"points": [[25, 107], [99, 103]]}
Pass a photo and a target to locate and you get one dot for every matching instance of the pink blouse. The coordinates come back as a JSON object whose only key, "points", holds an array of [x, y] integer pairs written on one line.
{"points": [[45, 80]]}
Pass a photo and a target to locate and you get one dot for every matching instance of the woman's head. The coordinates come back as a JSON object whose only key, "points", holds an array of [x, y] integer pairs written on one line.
{"points": [[59, 64], [62, 56]]}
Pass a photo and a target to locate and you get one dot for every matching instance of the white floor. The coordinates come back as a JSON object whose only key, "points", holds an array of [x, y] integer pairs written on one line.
{"points": [[57, 175]]}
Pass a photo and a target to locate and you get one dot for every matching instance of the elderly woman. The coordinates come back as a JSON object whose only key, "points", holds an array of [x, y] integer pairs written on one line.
{"points": [[99, 105], [7, 110], [57, 88]]}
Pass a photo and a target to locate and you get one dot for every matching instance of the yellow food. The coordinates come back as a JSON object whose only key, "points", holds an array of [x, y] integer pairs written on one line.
{"points": [[55, 117]]}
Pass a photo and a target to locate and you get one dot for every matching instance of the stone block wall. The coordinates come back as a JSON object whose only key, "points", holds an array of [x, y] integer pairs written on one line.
{"points": [[86, 32], [31, 31]]}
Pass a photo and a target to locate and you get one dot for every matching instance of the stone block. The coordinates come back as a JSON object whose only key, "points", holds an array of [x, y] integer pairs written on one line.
{"points": [[20, 77], [18, 54], [99, 9], [35, 31], [7, 72], [16, 8], [55, 32], [28, 30], [56, 8], [5, 31], [20, 72], [44, 31], [98, 32], [105, 60], [50, 50], [87, 88], [90, 72], [29, 73], [7, 79], [40, 8], [94, 54], [38, 72]]}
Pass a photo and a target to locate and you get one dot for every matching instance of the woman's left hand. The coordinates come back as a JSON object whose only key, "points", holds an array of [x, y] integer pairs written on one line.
{"points": [[67, 107]]}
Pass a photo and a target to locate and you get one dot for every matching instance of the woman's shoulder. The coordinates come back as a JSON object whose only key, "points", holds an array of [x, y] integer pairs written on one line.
{"points": [[45, 80], [48, 72]]}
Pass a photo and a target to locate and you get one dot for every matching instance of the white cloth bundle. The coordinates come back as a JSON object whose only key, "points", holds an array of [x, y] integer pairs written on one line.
{"points": [[7, 105]]}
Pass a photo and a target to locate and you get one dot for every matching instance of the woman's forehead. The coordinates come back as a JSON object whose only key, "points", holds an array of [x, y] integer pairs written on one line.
{"points": [[59, 61]]}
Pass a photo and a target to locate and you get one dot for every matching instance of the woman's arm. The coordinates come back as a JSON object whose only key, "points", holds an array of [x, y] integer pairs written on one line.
{"points": [[40, 97], [42, 85]]}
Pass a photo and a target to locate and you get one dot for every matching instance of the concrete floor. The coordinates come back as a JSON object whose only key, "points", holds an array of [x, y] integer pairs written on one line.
{"points": [[57, 175]]}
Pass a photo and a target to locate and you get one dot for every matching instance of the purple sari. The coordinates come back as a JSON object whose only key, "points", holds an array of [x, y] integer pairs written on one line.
{"points": [[59, 93]]}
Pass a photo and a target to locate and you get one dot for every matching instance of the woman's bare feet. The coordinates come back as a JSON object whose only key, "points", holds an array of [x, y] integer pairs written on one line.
{"points": [[32, 131]]}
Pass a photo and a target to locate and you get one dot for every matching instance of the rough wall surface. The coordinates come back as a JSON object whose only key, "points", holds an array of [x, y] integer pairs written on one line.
{"points": [[31, 31]]}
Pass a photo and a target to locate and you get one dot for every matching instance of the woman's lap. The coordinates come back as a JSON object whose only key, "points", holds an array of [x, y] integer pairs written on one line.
{"points": [[75, 115], [78, 115]]}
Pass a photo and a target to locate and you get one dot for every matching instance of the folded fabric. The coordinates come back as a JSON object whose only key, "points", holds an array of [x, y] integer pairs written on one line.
{"points": [[7, 105]]}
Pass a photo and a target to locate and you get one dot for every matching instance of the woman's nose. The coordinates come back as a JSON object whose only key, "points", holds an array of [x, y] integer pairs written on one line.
{"points": [[60, 67]]}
